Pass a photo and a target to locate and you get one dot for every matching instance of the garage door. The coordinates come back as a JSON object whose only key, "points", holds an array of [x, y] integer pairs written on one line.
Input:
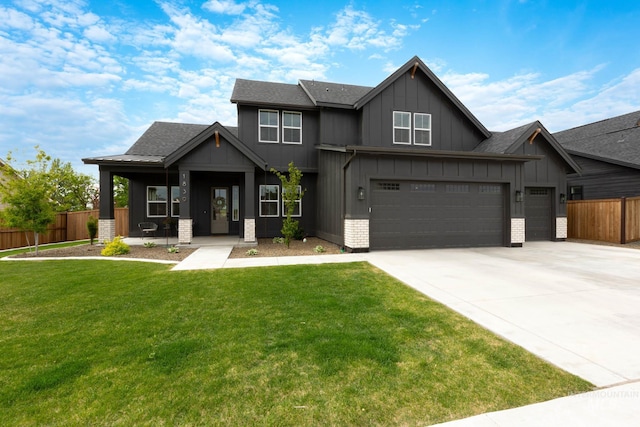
{"points": [[411, 215], [537, 212]]}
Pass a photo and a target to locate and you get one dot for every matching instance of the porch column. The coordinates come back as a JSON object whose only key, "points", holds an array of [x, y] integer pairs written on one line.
{"points": [[185, 223], [106, 218], [249, 207]]}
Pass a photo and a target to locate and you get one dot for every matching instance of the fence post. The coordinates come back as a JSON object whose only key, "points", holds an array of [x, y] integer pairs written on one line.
{"points": [[623, 219]]}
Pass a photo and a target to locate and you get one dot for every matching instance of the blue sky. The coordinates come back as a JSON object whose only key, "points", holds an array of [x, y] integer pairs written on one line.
{"points": [[85, 78]]}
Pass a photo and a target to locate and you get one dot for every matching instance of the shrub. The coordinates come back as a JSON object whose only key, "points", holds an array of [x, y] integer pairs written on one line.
{"points": [[92, 228], [149, 245], [115, 247], [278, 240], [173, 250], [252, 252], [319, 249]]}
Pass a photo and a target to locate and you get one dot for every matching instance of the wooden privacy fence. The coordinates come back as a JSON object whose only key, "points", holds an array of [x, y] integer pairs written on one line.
{"points": [[67, 227], [14, 238], [77, 223], [608, 220]]}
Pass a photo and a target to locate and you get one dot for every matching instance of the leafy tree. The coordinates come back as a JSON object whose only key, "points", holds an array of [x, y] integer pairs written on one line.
{"points": [[68, 190], [290, 194], [121, 191], [28, 201]]}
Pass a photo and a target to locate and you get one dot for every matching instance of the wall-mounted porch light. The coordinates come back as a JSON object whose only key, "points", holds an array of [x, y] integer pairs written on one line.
{"points": [[518, 196], [360, 193], [563, 198]]}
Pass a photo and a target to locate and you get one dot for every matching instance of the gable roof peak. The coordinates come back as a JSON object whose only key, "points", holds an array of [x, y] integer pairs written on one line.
{"points": [[412, 66]]}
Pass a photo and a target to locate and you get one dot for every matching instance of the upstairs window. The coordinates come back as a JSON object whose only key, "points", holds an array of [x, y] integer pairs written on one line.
{"points": [[291, 127], [422, 129], [401, 127], [268, 126]]}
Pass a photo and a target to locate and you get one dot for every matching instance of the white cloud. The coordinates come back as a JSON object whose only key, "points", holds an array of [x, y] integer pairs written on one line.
{"points": [[99, 34], [228, 7]]}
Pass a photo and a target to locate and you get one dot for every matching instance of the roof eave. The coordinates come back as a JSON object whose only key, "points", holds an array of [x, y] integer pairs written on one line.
{"points": [[416, 152]]}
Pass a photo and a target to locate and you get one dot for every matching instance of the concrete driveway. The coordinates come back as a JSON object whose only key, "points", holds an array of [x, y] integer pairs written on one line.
{"points": [[575, 305]]}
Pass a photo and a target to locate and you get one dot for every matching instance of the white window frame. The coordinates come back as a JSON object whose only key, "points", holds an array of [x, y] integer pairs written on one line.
{"points": [[157, 202], [421, 129], [285, 127], [269, 126], [395, 127], [276, 201], [174, 191], [298, 203], [175, 201]]}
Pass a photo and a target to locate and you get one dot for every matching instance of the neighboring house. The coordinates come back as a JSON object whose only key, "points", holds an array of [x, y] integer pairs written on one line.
{"points": [[608, 152], [401, 165]]}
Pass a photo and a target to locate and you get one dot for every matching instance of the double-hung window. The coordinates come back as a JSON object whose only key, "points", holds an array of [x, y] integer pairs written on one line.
{"points": [[422, 129], [401, 127], [297, 210], [291, 127], [268, 126], [269, 200], [157, 201]]}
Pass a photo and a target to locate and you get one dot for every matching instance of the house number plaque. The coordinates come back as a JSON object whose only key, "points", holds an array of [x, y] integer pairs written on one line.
{"points": [[184, 187]]}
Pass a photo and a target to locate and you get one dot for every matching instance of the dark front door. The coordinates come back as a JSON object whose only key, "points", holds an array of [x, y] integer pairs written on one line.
{"points": [[219, 210]]}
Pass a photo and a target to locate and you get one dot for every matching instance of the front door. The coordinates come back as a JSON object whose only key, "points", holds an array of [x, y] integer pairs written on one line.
{"points": [[219, 210]]}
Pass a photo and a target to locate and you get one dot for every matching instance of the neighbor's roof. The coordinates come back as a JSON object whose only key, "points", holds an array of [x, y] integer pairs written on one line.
{"points": [[615, 140]]}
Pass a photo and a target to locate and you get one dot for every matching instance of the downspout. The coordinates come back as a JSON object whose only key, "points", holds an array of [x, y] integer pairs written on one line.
{"points": [[344, 191]]}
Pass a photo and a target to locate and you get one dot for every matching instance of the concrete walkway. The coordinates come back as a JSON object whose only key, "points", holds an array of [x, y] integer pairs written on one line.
{"points": [[574, 305]]}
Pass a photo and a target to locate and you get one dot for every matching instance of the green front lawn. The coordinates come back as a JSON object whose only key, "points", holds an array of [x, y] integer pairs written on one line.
{"points": [[127, 343]]}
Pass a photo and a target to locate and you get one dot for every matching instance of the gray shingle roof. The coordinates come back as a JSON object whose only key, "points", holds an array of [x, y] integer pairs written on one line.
{"points": [[269, 94], [162, 138], [616, 140], [500, 142], [326, 94]]}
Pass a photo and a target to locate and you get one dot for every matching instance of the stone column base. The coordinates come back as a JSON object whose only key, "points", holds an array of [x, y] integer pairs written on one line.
{"points": [[106, 229], [561, 228], [249, 230], [517, 231], [185, 231], [356, 235]]}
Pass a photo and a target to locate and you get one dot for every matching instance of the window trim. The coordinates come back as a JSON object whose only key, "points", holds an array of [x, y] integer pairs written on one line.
{"points": [[169, 201], [401, 127], [277, 126], [416, 129], [261, 201], [175, 201], [298, 113], [297, 202]]}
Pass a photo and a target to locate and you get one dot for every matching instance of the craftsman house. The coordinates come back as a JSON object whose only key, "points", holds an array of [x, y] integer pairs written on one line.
{"points": [[608, 152], [401, 165]]}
